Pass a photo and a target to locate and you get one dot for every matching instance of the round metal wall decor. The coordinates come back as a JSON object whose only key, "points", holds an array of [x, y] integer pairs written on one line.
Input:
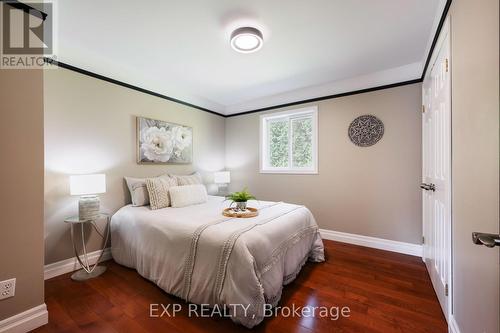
{"points": [[366, 130]]}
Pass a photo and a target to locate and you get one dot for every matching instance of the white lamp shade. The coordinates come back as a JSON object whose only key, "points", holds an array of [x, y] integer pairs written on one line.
{"points": [[87, 184], [222, 177]]}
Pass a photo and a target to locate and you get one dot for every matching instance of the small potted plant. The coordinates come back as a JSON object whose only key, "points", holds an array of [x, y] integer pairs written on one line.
{"points": [[240, 198]]}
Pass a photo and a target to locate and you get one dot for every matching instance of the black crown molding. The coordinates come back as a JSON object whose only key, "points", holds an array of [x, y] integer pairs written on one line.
{"points": [[317, 99], [126, 85], [149, 92], [436, 36]]}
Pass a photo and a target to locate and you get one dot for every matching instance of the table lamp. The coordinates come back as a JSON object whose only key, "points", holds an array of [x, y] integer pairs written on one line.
{"points": [[87, 187], [222, 178]]}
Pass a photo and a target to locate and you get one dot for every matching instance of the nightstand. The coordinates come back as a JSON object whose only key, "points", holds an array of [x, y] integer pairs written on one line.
{"points": [[88, 271]]}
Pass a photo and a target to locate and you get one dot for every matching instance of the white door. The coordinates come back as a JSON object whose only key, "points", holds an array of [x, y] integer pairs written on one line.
{"points": [[436, 170]]}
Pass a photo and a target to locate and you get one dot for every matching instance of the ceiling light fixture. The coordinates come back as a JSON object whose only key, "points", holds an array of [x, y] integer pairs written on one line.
{"points": [[246, 40]]}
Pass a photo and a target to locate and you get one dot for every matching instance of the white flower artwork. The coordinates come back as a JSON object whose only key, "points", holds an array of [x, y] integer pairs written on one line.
{"points": [[161, 142]]}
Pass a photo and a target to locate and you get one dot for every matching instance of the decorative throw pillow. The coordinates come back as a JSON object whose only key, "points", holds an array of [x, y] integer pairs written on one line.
{"points": [[138, 191], [192, 179], [158, 191], [187, 195]]}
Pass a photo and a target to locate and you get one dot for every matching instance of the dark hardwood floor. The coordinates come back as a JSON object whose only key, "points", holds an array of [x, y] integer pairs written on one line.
{"points": [[385, 291]]}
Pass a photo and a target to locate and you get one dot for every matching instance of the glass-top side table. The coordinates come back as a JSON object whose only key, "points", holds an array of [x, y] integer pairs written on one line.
{"points": [[88, 271]]}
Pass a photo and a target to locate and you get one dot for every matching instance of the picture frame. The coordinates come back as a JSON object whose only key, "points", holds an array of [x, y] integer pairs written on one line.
{"points": [[163, 142]]}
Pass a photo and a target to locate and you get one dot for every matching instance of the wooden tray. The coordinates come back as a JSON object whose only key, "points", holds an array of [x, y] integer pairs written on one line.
{"points": [[250, 212]]}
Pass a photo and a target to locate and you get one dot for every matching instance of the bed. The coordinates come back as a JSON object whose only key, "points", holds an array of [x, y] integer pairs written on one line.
{"points": [[203, 257]]}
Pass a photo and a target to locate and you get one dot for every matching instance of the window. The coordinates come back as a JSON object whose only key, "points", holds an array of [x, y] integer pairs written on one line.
{"points": [[289, 141]]}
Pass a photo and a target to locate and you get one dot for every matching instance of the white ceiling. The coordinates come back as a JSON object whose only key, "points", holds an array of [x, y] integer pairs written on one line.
{"points": [[311, 48]]}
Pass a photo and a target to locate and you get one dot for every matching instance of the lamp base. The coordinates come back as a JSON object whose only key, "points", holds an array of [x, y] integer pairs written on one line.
{"points": [[88, 208], [222, 190], [82, 275]]}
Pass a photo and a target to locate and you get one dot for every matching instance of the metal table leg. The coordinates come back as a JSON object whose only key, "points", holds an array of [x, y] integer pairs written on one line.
{"points": [[88, 271]]}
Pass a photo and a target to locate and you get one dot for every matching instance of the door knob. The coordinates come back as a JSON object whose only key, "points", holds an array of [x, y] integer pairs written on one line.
{"points": [[488, 240], [428, 187]]}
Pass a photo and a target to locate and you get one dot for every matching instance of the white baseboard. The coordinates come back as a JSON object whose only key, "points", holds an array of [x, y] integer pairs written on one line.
{"points": [[452, 325], [377, 243], [25, 321], [72, 264]]}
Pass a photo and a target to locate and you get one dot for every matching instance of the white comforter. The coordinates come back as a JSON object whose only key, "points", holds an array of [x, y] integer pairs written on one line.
{"points": [[203, 257]]}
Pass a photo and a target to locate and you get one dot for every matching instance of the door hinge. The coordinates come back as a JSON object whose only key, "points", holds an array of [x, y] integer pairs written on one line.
{"points": [[423, 240], [446, 64], [446, 291], [423, 108]]}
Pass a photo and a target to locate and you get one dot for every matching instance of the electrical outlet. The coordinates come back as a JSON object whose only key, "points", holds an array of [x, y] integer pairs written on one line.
{"points": [[7, 288]]}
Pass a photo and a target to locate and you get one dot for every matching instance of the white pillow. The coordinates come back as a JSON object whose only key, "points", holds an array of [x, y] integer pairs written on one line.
{"points": [[187, 195], [158, 191], [194, 178], [138, 191]]}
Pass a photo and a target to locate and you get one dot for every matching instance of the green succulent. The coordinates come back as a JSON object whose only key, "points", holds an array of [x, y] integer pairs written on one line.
{"points": [[241, 196]]}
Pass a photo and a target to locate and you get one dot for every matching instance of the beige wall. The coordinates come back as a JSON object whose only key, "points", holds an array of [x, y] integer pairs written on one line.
{"points": [[21, 197], [475, 156], [368, 191], [90, 128]]}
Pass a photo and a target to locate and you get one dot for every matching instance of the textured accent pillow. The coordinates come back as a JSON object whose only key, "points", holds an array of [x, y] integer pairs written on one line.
{"points": [[193, 179], [187, 195], [138, 191], [158, 191]]}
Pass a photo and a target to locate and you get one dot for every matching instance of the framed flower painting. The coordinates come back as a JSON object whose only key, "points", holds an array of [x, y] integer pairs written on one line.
{"points": [[161, 142]]}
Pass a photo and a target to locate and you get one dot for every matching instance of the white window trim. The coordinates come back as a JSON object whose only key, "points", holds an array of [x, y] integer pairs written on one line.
{"points": [[263, 151]]}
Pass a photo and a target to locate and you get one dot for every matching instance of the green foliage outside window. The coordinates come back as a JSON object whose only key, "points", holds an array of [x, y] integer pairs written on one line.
{"points": [[301, 143], [278, 144]]}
